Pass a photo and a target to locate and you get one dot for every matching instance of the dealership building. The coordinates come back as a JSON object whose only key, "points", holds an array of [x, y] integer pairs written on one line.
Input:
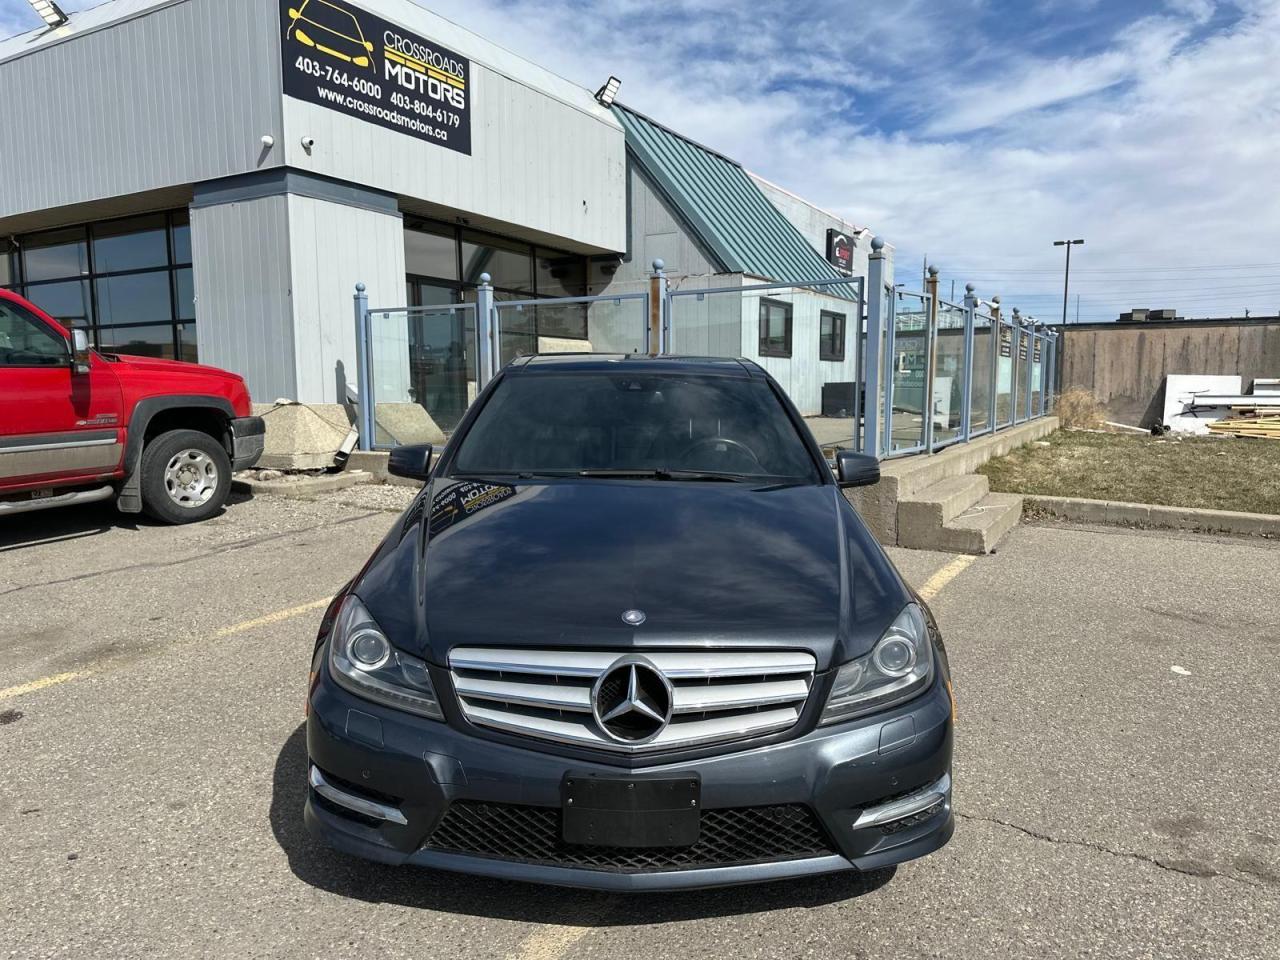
{"points": [[210, 179]]}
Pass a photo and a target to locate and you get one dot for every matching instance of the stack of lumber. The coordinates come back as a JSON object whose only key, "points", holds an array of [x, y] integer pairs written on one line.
{"points": [[1256, 423]]}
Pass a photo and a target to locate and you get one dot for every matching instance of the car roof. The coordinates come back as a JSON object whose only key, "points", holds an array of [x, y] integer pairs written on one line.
{"points": [[639, 363]]}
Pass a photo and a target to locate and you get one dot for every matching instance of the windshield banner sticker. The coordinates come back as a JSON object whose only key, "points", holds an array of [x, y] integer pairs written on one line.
{"points": [[341, 57]]}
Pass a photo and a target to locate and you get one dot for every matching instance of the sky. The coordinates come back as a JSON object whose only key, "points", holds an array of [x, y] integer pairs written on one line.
{"points": [[970, 132]]}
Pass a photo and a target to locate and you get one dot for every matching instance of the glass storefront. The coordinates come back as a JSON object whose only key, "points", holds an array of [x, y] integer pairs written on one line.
{"points": [[127, 281]]}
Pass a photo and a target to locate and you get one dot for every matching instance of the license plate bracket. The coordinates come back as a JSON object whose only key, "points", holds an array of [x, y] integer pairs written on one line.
{"points": [[631, 811]]}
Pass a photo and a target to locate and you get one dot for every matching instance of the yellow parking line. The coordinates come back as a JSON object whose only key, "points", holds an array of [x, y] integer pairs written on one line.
{"points": [[57, 678], [550, 942], [40, 684], [276, 617], [933, 586]]}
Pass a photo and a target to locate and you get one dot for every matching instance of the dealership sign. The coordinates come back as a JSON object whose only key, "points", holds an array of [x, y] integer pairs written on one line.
{"points": [[840, 250], [341, 57]]}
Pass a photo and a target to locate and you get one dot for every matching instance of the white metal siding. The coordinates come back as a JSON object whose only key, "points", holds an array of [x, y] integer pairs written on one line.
{"points": [[334, 247], [536, 164], [181, 94], [244, 309]]}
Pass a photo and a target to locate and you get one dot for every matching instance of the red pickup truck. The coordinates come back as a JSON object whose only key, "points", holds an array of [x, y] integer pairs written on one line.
{"points": [[78, 426]]}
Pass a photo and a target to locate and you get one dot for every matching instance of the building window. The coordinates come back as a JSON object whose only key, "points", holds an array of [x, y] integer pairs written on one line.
{"points": [[444, 264], [775, 328], [831, 336], [127, 281]]}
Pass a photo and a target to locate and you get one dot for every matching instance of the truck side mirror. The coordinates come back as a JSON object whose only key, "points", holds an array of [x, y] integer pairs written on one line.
{"points": [[411, 461], [856, 469], [79, 351]]}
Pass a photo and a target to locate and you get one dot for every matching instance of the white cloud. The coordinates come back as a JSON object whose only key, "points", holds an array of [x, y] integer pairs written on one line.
{"points": [[1157, 146]]}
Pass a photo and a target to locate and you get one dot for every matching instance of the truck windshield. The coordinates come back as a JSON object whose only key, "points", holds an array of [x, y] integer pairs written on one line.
{"points": [[663, 426]]}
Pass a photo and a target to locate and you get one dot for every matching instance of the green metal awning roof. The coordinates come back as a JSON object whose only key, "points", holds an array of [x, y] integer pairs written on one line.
{"points": [[730, 214]]}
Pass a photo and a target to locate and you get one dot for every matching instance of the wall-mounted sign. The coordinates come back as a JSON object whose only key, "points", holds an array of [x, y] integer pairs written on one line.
{"points": [[1006, 342], [1035, 354], [341, 57], [840, 250], [1022, 347]]}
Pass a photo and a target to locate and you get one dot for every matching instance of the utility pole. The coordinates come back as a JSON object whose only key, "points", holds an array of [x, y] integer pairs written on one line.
{"points": [[1077, 308], [1066, 280]]}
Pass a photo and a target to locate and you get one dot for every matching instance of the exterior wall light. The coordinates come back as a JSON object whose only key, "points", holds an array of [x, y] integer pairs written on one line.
{"points": [[49, 12], [609, 92]]}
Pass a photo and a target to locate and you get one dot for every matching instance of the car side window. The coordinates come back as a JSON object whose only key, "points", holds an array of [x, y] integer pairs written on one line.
{"points": [[26, 342]]}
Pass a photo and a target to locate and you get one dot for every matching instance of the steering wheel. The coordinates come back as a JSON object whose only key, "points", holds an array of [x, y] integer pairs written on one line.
{"points": [[737, 447]]}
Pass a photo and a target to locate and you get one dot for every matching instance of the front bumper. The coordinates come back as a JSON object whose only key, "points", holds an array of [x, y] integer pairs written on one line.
{"points": [[248, 438], [850, 776]]}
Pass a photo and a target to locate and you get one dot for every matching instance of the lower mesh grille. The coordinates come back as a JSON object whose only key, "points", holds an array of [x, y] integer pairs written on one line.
{"points": [[728, 837]]}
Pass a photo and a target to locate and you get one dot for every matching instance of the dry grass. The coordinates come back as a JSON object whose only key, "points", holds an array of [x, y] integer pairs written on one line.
{"points": [[1213, 473], [1079, 410]]}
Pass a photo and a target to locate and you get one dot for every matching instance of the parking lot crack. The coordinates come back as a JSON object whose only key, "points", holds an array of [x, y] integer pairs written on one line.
{"points": [[216, 551], [1185, 868]]}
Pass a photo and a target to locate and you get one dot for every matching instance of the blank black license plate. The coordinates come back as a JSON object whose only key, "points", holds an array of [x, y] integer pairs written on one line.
{"points": [[631, 811]]}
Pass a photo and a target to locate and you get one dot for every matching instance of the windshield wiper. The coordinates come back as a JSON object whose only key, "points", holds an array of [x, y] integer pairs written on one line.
{"points": [[697, 475]]}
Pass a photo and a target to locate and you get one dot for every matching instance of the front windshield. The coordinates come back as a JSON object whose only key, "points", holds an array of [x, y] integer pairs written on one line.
{"points": [[659, 424]]}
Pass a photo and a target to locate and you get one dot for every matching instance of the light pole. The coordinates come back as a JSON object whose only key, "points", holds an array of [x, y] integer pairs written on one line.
{"points": [[1066, 280]]}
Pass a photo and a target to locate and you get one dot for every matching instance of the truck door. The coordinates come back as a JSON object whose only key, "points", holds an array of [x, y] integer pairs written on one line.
{"points": [[56, 426]]}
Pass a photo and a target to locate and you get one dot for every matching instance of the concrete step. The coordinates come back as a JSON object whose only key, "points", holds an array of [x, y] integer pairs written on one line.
{"points": [[980, 528], [939, 504]]}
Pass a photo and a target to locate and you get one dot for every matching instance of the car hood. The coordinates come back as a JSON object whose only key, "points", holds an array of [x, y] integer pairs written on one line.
{"points": [[125, 365], [557, 564]]}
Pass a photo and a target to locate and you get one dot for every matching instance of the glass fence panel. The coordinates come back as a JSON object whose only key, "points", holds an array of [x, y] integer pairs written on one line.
{"points": [[908, 365], [808, 338], [1023, 376], [1004, 377], [1037, 375], [580, 325], [424, 362], [980, 395], [948, 379]]}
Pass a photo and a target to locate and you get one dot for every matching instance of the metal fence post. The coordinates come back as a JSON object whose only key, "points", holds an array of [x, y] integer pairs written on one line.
{"points": [[995, 360], [970, 310], [658, 323], [872, 363], [930, 357], [486, 333], [364, 370]]}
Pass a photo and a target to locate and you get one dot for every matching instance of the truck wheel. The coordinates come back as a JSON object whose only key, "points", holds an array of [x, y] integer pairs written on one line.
{"points": [[185, 476]]}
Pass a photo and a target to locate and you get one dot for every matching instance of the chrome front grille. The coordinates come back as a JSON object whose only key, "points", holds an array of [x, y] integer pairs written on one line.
{"points": [[716, 696]]}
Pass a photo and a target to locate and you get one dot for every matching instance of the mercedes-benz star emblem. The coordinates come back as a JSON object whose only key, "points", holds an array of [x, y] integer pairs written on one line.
{"points": [[633, 617], [632, 701]]}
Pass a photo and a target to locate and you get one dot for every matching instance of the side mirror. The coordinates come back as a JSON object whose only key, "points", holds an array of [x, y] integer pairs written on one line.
{"points": [[79, 351], [411, 461], [856, 469]]}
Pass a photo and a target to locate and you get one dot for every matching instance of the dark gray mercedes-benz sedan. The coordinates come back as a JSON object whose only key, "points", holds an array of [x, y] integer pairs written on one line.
{"points": [[631, 635]]}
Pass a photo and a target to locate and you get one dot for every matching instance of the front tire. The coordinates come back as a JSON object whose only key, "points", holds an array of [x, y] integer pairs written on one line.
{"points": [[186, 476]]}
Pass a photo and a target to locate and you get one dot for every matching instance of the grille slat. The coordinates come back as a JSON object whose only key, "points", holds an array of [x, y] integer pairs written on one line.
{"points": [[717, 696], [729, 837]]}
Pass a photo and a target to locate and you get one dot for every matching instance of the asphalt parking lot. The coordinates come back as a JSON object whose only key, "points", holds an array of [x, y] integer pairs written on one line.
{"points": [[1116, 762]]}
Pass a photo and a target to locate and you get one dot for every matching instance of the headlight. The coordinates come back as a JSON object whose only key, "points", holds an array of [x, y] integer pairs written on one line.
{"points": [[900, 666], [363, 661]]}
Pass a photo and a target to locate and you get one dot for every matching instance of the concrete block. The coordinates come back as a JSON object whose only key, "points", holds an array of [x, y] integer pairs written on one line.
{"points": [[302, 436], [983, 526], [399, 423], [564, 345]]}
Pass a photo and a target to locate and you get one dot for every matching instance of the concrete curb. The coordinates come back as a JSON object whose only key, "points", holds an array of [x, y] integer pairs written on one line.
{"points": [[303, 489], [1155, 516]]}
